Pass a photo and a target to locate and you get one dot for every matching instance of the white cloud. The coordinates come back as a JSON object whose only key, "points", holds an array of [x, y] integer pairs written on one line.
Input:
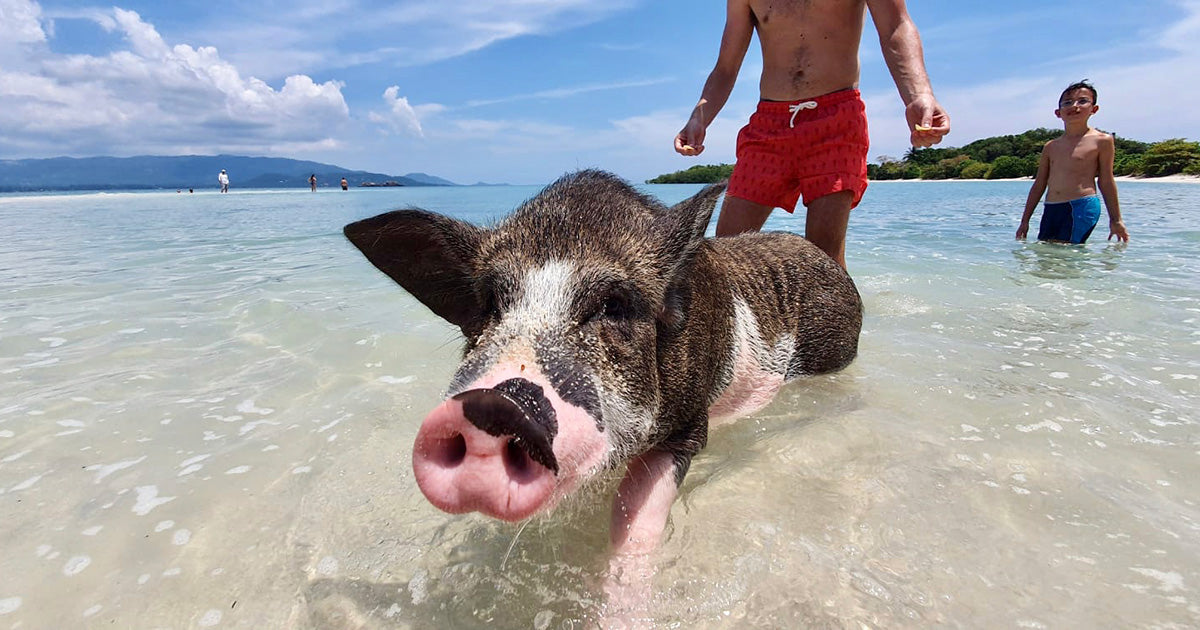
{"points": [[1181, 36], [400, 116], [20, 22], [418, 32], [149, 97], [638, 146], [1011, 106], [533, 151], [655, 133], [643, 146], [568, 92], [1147, 101], [510, 137], [475, 24]]}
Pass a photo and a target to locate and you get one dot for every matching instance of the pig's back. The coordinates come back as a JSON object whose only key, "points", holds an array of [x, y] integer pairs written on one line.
{"points": [[799, 298]]}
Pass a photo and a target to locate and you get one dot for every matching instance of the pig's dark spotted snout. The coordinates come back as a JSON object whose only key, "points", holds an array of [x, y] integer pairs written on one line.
{"points": [[570, 381], [519, 409]]}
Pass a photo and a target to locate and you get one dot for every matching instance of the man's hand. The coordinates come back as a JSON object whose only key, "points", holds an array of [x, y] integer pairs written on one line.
{"points": [[1117, 229], [1022, 231], [927, 120], [690, 140]]}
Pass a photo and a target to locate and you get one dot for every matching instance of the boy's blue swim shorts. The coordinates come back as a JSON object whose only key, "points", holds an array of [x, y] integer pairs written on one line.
{"points": [[1069, 221]]}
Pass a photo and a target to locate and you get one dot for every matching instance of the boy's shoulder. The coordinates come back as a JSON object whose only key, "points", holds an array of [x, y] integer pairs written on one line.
{"points": [[1101, 136], [1091, 134]]}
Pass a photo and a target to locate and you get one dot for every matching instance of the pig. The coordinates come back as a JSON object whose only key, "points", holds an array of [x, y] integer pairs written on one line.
{"points": [[603, 330]]}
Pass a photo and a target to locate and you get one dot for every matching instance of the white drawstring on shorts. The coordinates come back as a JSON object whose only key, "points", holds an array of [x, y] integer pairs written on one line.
{"points": [[795, 109]]}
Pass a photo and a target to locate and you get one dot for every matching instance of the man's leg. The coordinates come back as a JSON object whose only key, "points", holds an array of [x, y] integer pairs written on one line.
{"points": [[825, 224], [739, 215]]}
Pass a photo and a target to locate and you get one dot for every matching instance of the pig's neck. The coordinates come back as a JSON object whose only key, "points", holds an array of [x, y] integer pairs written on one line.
{"points": [[757, 368]]}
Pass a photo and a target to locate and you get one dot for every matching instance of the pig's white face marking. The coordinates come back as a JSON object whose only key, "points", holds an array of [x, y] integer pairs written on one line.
{"points": [[634, 426], [546, 297], [540, 324], [758, 368], [543, 306]]}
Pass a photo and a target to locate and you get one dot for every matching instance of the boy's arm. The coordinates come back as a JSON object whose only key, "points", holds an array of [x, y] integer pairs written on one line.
{"points": [[735, 40], [1035, 192], [901, 45], [1108, 189]]}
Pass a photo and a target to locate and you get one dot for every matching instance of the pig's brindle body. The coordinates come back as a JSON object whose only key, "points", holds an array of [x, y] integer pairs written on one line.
{"points": [[603, 329]]}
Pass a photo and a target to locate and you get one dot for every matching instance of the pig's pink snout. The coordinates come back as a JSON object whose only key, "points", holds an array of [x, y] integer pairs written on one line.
{"points": [[489, 450]]}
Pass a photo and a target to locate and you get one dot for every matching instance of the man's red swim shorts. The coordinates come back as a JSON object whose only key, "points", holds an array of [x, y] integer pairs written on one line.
{"points": [[811, 148]]}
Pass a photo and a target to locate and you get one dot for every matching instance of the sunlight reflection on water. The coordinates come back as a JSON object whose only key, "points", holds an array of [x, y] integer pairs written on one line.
{"points": [[208, 404]]}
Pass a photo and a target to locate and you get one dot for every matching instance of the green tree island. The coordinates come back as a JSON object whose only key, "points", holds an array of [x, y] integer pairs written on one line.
{"points": [[998, 157]]}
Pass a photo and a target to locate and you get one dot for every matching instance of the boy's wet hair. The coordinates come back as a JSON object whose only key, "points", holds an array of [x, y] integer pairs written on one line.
{"points": [[1080, 85]]}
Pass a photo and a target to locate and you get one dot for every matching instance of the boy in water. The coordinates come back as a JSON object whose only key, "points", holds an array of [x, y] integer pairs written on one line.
{"points": [[1069, 168], [809, 135]]}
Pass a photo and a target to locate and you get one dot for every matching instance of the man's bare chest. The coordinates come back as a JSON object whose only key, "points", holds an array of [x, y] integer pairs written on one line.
{"points": [[790, 20], [795, 11]]}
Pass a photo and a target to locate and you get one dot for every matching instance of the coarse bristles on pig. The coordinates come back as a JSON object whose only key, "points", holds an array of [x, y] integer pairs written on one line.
{"points": [[604, 330]]}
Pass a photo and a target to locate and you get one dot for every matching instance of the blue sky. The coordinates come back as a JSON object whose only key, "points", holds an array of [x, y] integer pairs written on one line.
{"points": [[520, 91]]}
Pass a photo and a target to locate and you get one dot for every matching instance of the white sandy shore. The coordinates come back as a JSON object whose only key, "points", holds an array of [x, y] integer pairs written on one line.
{"points": [[1167, 179], [1174, 179]]}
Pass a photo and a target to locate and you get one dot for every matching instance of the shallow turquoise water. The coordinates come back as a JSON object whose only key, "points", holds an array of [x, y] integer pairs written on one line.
{"points": [[207, 404]]}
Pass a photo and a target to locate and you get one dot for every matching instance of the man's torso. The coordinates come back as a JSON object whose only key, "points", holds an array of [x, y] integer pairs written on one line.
{"points": [[809, 47], [1074, 165]]}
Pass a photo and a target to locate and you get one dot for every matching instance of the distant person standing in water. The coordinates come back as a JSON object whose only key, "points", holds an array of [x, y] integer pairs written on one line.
{"points": [[1070, 166], [809, 135], [223, 179], [345, 184], [312, 182]]}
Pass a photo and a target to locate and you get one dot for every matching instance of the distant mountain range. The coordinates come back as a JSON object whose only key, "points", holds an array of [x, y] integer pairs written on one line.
{"points": [[187, 171]]}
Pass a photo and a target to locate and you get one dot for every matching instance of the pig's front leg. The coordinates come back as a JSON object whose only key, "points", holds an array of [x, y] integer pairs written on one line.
{"points": [[639, 516]]}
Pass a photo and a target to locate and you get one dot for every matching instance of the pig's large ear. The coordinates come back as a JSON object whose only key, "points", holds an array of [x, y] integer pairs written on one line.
{"points": [[428, 254], [683, 225], [682, 228]]}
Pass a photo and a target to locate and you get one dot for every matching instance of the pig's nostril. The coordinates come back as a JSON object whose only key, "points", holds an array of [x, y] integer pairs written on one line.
{"points": [[448, 452], [518, 412], [520, 467]]}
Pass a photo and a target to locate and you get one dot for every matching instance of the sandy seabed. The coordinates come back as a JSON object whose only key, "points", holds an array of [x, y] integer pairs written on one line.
{"points": [[208, 410]]}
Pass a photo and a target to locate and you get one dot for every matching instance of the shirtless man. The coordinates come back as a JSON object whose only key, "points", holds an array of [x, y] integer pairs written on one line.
{"points": [[1069, 168], [809, 135]]}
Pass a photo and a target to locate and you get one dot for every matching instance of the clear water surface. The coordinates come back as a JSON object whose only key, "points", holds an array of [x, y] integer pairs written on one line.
{"points": [[207, 406]]}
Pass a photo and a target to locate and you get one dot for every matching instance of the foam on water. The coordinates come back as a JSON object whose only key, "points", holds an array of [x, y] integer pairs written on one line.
{"points": [[209, 404]]}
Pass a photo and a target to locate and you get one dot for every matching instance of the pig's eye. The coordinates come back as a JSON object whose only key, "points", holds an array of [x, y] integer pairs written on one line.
{"points": [[490, 305], [613, 308]]}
